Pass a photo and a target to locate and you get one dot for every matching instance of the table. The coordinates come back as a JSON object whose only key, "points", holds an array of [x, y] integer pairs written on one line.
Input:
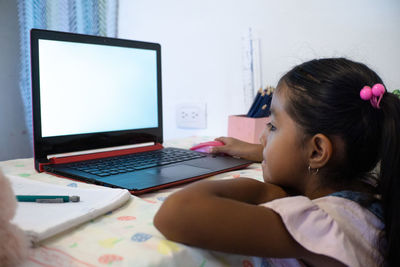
{"points": [[126, 236]]}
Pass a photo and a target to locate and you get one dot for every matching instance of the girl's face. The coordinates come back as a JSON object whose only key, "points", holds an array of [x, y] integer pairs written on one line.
{"points": [[285, 161]]}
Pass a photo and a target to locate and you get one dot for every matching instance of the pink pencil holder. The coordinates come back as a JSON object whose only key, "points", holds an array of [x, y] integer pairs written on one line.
{"points": [[245, 128]]}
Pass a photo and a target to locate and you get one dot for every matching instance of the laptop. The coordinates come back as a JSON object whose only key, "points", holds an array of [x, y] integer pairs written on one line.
{"points": [[91, 93]]}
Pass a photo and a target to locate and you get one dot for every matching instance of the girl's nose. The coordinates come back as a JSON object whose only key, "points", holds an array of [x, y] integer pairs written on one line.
{"points": [[263, 137]]}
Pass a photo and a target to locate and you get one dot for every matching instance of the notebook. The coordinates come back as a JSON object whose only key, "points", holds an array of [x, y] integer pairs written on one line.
{"points": [[90, 93], [43, 220]]}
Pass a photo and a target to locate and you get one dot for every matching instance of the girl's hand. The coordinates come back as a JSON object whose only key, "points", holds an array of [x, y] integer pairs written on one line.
{"points": [[238, 148]]}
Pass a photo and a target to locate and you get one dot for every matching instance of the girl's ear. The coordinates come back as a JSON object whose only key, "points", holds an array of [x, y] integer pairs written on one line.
{"points": [[320, 151]]}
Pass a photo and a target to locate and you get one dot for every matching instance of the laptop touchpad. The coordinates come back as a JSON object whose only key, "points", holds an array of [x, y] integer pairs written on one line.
{"points": [[179, 171]]}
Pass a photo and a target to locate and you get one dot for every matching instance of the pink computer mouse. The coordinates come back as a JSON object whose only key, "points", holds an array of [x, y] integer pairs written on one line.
{"points": [[205, 147]]}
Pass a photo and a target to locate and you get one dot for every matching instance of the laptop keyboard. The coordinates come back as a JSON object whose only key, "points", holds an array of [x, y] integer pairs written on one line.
{"points": [[132, 162]]}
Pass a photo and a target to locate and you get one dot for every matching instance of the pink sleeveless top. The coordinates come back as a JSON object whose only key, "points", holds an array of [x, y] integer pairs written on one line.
{"points": [[333, 226]]}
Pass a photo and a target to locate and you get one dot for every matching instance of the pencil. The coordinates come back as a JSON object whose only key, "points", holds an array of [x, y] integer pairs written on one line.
{"points": [[47, 199], [253, 106], [261, 105]]}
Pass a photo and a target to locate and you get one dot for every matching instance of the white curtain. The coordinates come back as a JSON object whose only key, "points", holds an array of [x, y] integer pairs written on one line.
{"points": [[94, 17]]}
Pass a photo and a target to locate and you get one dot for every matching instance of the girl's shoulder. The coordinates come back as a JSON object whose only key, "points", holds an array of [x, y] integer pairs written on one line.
{"points": [[343, 205], [367, 201], [334, 226]]}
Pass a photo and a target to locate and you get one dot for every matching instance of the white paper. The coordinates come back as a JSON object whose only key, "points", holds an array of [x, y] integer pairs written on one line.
{"points": [[42, 220]]}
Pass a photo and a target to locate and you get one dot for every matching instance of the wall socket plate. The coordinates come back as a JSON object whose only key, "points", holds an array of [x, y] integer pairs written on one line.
{"points": [[191, 116]]}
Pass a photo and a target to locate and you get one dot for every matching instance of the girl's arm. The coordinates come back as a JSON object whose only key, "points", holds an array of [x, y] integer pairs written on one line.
{"points": [[224, 215], [235, 147]]}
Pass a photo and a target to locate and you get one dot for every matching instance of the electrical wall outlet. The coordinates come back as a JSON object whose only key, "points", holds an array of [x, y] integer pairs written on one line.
{"points": [[191, 116]]}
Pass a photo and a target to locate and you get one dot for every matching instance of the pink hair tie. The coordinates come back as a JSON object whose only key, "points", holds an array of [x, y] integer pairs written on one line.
{"points": [[372, 94]]}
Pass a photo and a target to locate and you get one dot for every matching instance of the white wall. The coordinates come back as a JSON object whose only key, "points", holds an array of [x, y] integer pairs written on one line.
{"points": [[202, 50], [202, 47]]}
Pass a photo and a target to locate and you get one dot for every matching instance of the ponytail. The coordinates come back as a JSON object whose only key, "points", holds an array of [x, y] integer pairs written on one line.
{"points": [[389, 180]]}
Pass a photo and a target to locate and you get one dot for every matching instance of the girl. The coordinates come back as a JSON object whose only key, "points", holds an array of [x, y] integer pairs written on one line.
{"points": [[323, 202]]}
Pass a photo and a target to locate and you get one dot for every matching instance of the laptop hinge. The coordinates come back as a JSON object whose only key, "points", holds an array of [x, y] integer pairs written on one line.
{"points": [[98, 155], [98, 150]]}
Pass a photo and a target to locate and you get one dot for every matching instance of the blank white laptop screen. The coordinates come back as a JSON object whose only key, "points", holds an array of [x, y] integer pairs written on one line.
{"points": [[88, 88]]}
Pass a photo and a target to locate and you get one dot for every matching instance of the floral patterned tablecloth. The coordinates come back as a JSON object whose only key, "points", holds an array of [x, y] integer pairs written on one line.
{"points": [[126, 236]]}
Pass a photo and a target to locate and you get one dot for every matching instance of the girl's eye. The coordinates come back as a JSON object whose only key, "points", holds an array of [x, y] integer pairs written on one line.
{"points": [[271, 127]]}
